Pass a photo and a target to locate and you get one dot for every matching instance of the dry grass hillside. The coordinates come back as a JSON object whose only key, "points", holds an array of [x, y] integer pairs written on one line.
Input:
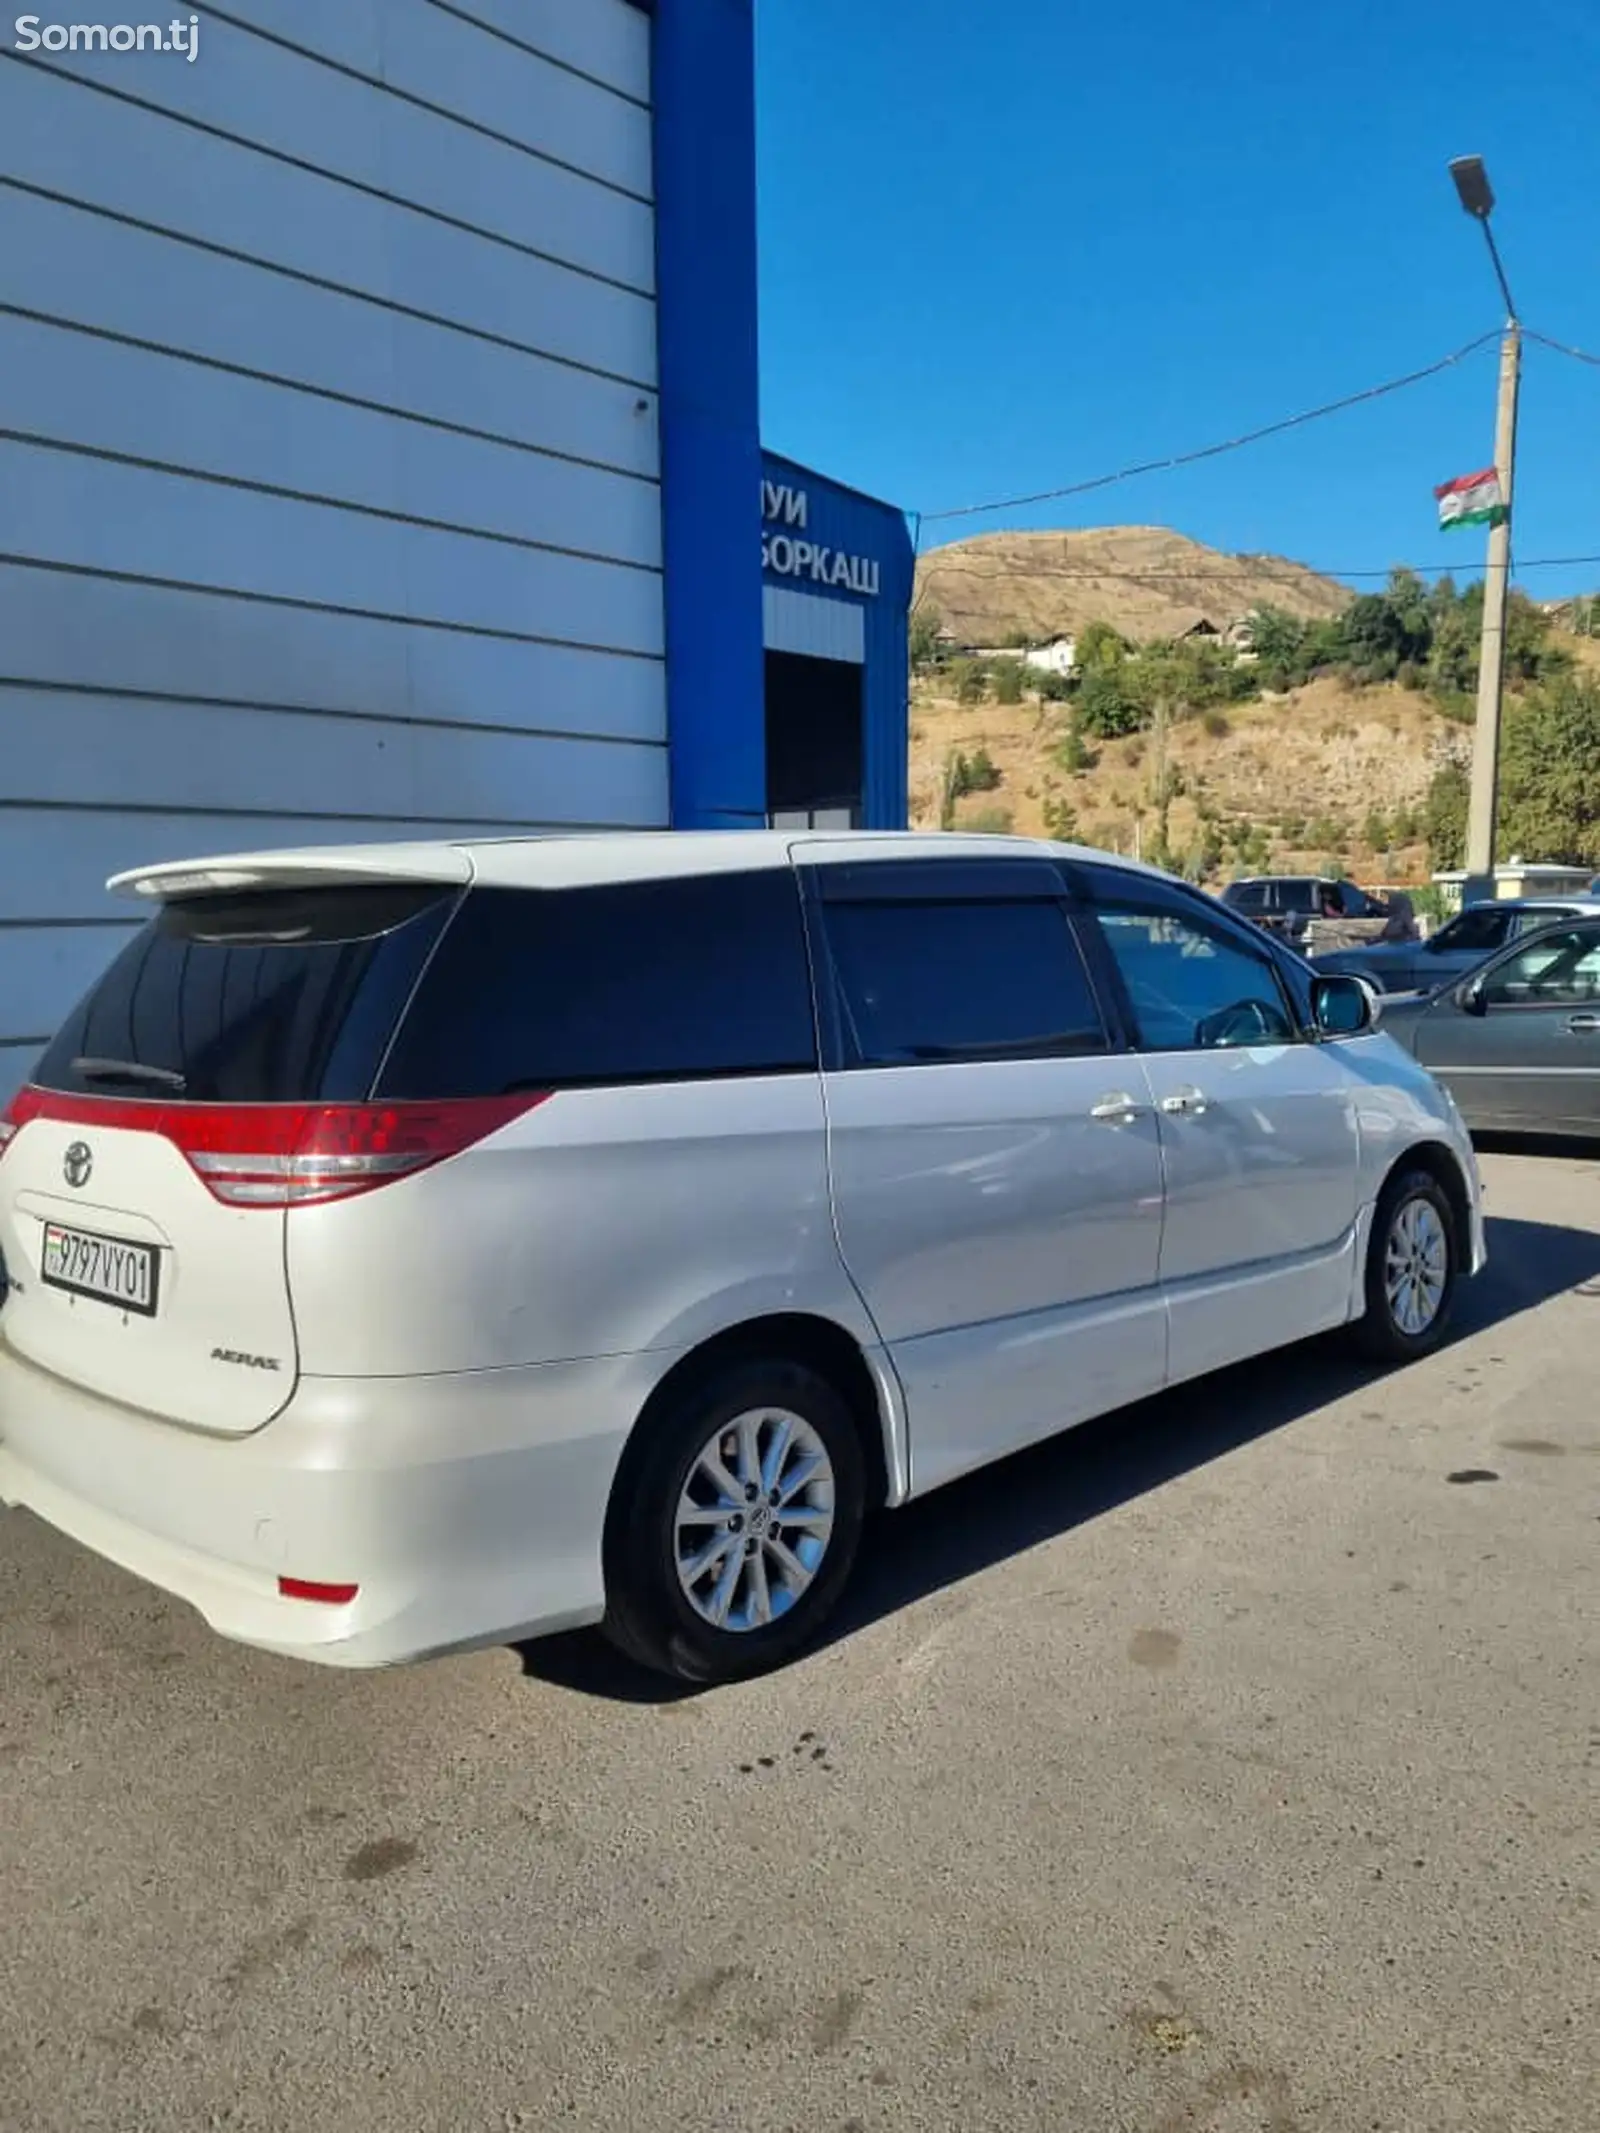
{"points": [[1144, 580], [1308, 770]]}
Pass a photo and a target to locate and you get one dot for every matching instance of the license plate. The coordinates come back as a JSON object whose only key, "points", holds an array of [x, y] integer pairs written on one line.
{"points": [[110, 1269]]}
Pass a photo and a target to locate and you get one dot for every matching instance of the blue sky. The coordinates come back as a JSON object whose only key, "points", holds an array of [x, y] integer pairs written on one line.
{"points": [[1015, 243]]}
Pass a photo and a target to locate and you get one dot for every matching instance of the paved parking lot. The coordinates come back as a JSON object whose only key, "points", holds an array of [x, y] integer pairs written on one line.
{"points": [[1230, 1767]]}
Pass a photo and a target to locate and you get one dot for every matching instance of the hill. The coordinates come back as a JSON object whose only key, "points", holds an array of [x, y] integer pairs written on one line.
{"points": [[1348, 794], [1145, 581]]}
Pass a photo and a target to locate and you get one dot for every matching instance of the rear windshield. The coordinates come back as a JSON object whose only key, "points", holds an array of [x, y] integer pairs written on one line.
{"points": [[286, 996], [1297, 896], [1245, 895]]}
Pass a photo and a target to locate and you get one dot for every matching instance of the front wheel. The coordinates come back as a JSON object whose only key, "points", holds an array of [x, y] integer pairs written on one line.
{"points": [[1412, 1266], [735, 1524]]}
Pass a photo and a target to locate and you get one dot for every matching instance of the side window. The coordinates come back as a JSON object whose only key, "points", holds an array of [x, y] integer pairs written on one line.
{"points": [[1476, 931], [684, 979], [1557, 969], [930, 980], [1193, 986]]}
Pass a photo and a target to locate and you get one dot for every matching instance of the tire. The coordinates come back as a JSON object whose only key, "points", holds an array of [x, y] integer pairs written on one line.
{"points": [[1414, 1226], [664, 1618]]}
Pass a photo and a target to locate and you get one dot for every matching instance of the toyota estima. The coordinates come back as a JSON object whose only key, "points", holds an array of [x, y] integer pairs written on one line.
{"points": [[417, 1247]]}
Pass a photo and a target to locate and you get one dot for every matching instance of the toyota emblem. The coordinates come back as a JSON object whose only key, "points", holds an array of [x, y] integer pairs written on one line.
{"points": [[77, 1163]]}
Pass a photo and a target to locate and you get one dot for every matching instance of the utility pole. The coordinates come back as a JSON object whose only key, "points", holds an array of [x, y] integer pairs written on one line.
{"points": [[1477, 197]]}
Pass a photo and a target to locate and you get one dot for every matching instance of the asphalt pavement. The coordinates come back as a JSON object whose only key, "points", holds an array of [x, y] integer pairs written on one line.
{"points": [[1230, 1766]]}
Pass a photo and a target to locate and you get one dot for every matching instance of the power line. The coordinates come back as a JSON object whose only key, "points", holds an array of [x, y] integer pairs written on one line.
{"points": [[1578, 355], [1213, 451]]}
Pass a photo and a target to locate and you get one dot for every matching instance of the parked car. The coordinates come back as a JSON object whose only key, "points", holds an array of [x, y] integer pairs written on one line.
{"points": [[1467, 939], [422, 1246], [1285, 904], [1517, 1042]]}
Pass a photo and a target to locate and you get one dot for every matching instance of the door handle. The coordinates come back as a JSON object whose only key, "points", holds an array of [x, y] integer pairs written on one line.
{"points": [[1184, 1103], [1582, 1025], [1116, 1110]]}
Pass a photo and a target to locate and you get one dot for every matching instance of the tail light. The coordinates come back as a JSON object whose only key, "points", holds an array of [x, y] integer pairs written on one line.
{"points": [[290, 1155], [23, 1106]]}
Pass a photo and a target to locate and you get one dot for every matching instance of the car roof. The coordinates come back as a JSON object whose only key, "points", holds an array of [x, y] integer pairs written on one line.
{"points": [[586, 859], [1558, 906]]}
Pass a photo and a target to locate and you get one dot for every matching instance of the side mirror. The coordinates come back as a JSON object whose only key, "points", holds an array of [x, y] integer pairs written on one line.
{"points": [[1344, 1006], [1469, 997]]}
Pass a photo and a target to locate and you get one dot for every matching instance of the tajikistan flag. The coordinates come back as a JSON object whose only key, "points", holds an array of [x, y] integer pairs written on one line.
{"points": [[1471, 500]]}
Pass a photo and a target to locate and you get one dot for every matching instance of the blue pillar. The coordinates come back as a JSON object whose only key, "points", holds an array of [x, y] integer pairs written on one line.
{"points": [[705, 171]]}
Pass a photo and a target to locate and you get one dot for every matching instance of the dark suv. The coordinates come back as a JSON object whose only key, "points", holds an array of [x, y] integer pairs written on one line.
{"points": [[1285, 904]]}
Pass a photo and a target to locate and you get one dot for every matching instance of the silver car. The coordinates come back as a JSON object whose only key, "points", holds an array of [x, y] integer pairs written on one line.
{"points": [[1424, 966]]}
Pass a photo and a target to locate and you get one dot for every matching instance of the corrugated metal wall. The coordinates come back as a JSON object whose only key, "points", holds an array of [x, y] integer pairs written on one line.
{"points": [[329, 501]]}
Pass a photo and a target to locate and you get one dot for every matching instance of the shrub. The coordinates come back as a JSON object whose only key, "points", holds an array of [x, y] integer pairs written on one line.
{"points": [[1217, 725], [1060, 820], [970, 680], [965, 774], [992, 821], [1008, 681], [1072, 752]]}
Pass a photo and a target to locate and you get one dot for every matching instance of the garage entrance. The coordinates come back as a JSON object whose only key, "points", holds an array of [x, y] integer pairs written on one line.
{"points": [[813, 742]]}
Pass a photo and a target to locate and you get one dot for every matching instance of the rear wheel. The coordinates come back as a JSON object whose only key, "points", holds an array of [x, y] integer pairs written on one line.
{"points": [[1412, 1265], [735, 1524]]}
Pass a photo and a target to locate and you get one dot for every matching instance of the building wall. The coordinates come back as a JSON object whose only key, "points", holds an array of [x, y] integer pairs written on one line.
{"points": [[330, 485], [873, 611]]}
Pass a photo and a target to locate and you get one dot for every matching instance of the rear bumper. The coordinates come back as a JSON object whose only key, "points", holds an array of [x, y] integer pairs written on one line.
{"points": [[467, 1509]]}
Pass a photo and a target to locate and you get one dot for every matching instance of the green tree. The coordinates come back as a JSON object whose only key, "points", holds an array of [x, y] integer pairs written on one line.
{"points": [[1444, 816], [1100, 646], [1376, 831], [1106, 706], [1381, 631], [1550, 774], [926, 623], [1276, 637]]}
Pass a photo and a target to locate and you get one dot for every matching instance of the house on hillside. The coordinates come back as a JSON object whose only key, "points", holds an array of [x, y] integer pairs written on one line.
{"points": [[1059, 656], [1193, 628]]}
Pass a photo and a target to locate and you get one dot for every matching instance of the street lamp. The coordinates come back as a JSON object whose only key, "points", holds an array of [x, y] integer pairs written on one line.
{"points": [[1477, 197]]}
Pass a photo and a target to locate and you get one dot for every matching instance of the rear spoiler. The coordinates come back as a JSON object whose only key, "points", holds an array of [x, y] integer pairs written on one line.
{"points": [[332, 867]]}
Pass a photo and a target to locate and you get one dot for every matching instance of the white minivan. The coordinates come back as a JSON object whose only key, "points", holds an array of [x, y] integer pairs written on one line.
{"points": [[415, 1247]]}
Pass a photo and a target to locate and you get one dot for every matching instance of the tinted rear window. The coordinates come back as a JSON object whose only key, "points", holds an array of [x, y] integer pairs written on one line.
{"points": [[1246, 896], [920, 982], [684, 979], [284, 997]]}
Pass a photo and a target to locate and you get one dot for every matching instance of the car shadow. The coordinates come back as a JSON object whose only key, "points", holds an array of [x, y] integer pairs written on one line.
{"points": [[1571, 1148], [1039, 1494]]}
